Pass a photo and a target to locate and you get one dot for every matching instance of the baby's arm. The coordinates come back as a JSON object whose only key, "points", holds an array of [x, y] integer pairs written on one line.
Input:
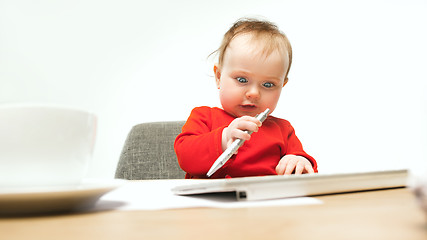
{"points": [[290, 163], [237, 129]]}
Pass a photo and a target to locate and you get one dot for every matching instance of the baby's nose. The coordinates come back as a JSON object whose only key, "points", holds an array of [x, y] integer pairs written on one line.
{"points": [[253, 93]]}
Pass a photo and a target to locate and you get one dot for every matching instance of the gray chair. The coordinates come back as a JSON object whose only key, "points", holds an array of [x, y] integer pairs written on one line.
{"points": [[148, 152]]}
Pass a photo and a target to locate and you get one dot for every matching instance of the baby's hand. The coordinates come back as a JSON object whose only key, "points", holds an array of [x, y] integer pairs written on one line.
{"points": [[289, 163], [236, 130]]}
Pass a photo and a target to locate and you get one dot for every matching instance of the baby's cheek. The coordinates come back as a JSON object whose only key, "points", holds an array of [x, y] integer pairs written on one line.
{"points": [[229, 96]]}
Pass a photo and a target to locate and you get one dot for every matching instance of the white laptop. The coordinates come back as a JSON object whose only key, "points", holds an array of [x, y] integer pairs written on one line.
{"points": [[272, 187]]}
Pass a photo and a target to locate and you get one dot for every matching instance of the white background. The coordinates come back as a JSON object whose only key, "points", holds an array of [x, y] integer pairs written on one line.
{"points": [[357, 89]]}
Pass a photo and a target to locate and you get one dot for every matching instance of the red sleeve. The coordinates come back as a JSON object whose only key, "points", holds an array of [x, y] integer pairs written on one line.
{"points": [[198, 146], [295, 147]]}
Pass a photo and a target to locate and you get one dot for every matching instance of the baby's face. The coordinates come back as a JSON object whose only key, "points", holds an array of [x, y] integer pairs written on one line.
{"points": [[250, 81]]}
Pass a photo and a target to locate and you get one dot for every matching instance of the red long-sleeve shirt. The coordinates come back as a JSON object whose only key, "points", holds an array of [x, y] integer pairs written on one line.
{"points": [[199, 145]]}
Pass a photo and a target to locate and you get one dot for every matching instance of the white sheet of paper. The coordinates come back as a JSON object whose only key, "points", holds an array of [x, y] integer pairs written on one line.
{"points": [[157, 195]]}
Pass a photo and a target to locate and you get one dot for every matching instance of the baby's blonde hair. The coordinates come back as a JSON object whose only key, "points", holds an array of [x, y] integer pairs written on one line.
{"points": [[261, 30]]}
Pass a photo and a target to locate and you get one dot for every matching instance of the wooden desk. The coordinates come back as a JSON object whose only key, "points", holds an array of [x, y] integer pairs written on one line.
{"points": [[385, 214]]}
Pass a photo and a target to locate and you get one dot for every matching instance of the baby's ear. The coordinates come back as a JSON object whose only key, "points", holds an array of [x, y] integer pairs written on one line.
{"points": [[217, 72], [286, 81]]}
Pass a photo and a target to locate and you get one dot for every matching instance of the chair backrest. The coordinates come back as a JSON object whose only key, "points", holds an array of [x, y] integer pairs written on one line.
{"points": [[148, 152]]}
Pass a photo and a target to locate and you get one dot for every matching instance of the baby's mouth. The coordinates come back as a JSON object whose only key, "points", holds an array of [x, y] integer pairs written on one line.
{"points": [[248, 106]]}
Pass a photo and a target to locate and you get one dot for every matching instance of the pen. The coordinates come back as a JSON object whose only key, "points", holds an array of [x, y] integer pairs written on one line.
{"points": [[226, 155]]}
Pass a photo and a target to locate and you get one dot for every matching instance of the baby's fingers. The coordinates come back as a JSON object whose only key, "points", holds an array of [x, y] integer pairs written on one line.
{"points": [[309, 168], [281, 166], [290, 167], [236, 133], [293, 164], [303, 167], [299, 169], [247, 123]]}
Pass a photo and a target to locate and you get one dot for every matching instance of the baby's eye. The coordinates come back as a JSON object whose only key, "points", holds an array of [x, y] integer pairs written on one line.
{"points": [[242, 80], [268, 85]]}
